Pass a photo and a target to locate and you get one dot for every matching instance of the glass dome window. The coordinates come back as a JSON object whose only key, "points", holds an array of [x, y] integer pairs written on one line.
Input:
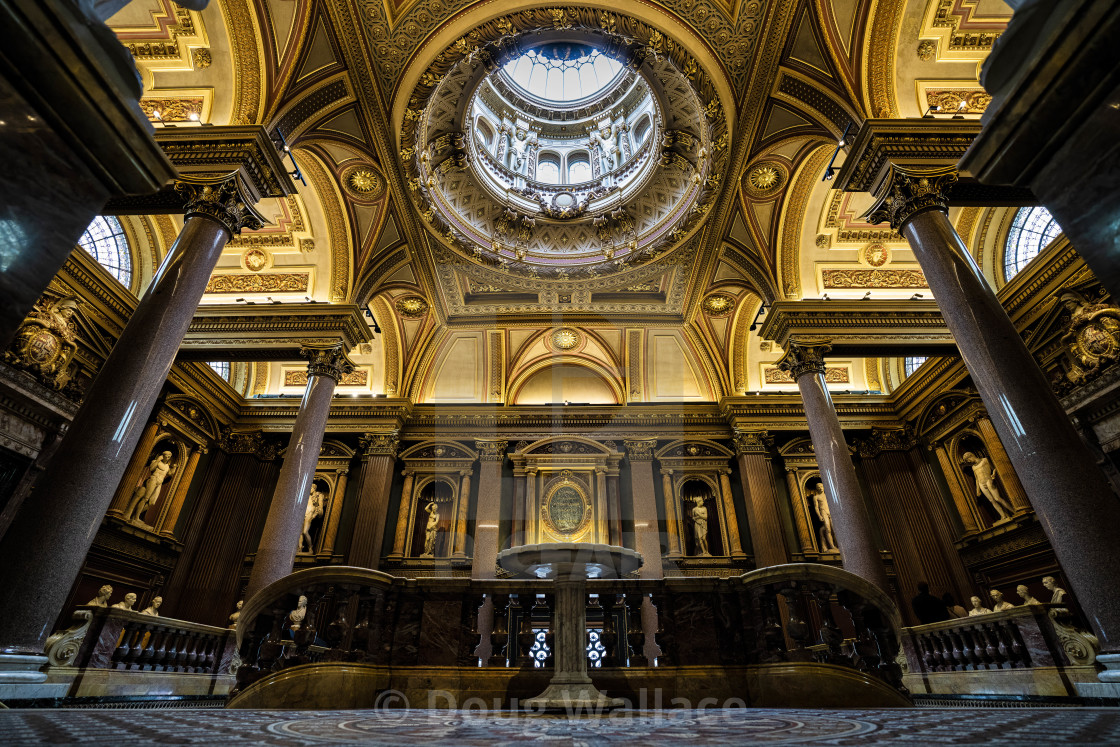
{"points": [[1032, 230], [563, 72]]}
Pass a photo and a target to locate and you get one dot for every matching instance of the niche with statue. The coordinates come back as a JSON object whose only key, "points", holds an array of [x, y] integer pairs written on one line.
{"points": [[703, 536], [431, 522]]}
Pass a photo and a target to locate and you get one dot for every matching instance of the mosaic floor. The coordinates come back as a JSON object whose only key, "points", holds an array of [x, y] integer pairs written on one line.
{"points": [[729, 726]]}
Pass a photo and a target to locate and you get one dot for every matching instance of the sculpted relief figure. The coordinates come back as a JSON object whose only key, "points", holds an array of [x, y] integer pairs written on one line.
{"points": [[102, 598], [431, 530], [159, 471], [699, 514], [1092, 338], [314, 511], [820, 506], [986, 484]]}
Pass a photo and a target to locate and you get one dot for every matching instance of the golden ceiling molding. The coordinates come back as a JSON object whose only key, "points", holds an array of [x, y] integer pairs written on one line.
{"points": [[246, 48], [391, 344], [339, 235], [739, 353], [826, 21], [793, 216], [836, 278], [879, 51], [611, 378], [871, 374], [715, 374]]}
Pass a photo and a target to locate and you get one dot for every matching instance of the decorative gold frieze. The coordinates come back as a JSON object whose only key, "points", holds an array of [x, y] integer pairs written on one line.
{"points": [[841, 278], [832, 375], [360, 377], [172, 110], [958, 100], [263, 283]]}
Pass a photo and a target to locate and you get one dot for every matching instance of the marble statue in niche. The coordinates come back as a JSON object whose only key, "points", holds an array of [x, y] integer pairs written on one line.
{"points": [[696, 496], [153, 608], [820, 506], [102, 598], [999, 604], [431, 530], [1025, 594], [986, 484], [1058, 595], [46, 341], [160, 469], [699, 514], [978, 607], [127, 603], [316, 505]]}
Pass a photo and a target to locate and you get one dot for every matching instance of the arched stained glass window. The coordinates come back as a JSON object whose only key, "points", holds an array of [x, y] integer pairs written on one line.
{"points": [[910, 365], [221, 368], [105, 241], [1032, 230], [562, 71]]}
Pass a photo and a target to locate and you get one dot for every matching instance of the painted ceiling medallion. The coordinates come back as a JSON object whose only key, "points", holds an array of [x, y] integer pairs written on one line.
{"points": [[364, 182], [412, 307], [875, 255], [255, 260], [765, 179], [718, 304], [565, 339]]}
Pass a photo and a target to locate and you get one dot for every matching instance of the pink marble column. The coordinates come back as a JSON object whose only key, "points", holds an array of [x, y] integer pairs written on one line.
{"points": [[1071, 496], [276, 553], [49, 539], [488, 513], [851, 525]]}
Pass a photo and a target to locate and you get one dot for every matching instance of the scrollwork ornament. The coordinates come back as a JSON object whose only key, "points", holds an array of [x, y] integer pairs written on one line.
{"points": [[804, 357], [327, 360], [62, 647], [907, 192], [221, 202]]}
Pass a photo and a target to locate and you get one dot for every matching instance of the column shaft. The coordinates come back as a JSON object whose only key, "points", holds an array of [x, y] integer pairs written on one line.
{"points": [[404, 513], [731, 517], [50, 537], [672, 528], [170, 515], [763, 521], [647, 534], [614, 507], [276, 553], [338, 496], [800, 518], [460, 538], [380, 461], [1075, 503], [964, 506], [492, 455]]}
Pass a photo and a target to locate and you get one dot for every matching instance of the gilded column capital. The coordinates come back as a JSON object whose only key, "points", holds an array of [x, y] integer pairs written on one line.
{"points": [[326, 359], [804, 357], [491, 451], [886, 439], [222, 201], [641, 450], [374, 444], [752, 442], [907, 191]]}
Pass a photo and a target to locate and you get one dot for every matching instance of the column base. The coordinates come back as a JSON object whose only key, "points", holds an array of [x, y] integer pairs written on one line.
{"points": [[572, 695], [22, 668]]}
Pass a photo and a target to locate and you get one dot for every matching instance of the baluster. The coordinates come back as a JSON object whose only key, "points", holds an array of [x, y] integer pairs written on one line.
{"points": [[208, 661], [134, 632], [499, 633], [971, 647], [635, 635], [829, 631], [995, 647], [1017, 651], [120, 653], [145, 660], [171, 652], [959, 659]]}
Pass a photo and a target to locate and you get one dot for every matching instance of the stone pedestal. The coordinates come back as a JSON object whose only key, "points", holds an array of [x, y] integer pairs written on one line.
{"points": [[851, 525], [280, 540], [571, 564]]}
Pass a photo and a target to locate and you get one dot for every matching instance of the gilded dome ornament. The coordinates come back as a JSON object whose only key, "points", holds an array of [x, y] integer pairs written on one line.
{"points": [[718, 304], [875, 255], [363, 182], [412, 307], [765, 179], [255, 260], [566, 339]]}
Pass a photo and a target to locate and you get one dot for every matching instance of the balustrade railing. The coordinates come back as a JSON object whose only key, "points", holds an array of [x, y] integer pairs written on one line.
{"points": [[110, 638], [793, 613]]}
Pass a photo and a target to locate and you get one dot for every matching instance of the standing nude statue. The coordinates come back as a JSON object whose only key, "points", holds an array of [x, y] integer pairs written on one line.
{"points": [[147, 493], [431, 530], [313, 512], [699, 514], [820, 505], [986, 484]]}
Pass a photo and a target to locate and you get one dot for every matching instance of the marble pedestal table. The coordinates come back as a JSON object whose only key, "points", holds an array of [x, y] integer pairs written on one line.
{"points": [[570, 564]]}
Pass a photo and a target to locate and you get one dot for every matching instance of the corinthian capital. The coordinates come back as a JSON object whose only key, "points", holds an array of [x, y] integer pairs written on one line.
{"points": [[641, 450], [326, 359], [752, 442], [908, 191], [221, 201], [379, 443], [491, 451], [804, 357]]}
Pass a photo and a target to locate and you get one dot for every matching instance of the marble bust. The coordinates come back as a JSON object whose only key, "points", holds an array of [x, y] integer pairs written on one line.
{"points": [[1057, 594], [236, 614], [296, 616], [978, 607], [102, 598], [152, 609], [1025, 594], [999, 604], [986, 484], [127, 603]]}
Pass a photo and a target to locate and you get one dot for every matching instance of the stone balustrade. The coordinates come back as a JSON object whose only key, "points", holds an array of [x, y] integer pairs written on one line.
{"points": [[1034, 649], [124, 640]]}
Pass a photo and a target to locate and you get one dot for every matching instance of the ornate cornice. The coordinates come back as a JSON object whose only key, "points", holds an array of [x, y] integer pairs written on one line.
{"points": [[491, 451], [247, 442], [858, 327], [327, 359], [908, 191], [270, 332], [641, 451], [804, 357], [379, 444]]}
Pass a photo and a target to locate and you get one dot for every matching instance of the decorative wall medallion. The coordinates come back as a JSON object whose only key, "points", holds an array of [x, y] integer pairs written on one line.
{"points": [[363, 182], [565, 339], [823, 241], [202, 58], [718, 304], [765, 179], [255, 260], [927, 50], [875, 255], [566, 510], [412, 307]]}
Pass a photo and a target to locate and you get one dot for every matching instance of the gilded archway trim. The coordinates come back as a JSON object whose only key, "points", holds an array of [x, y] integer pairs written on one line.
{"points": [[793, 219], [331, 200], [518, 381], [246, 47]]}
